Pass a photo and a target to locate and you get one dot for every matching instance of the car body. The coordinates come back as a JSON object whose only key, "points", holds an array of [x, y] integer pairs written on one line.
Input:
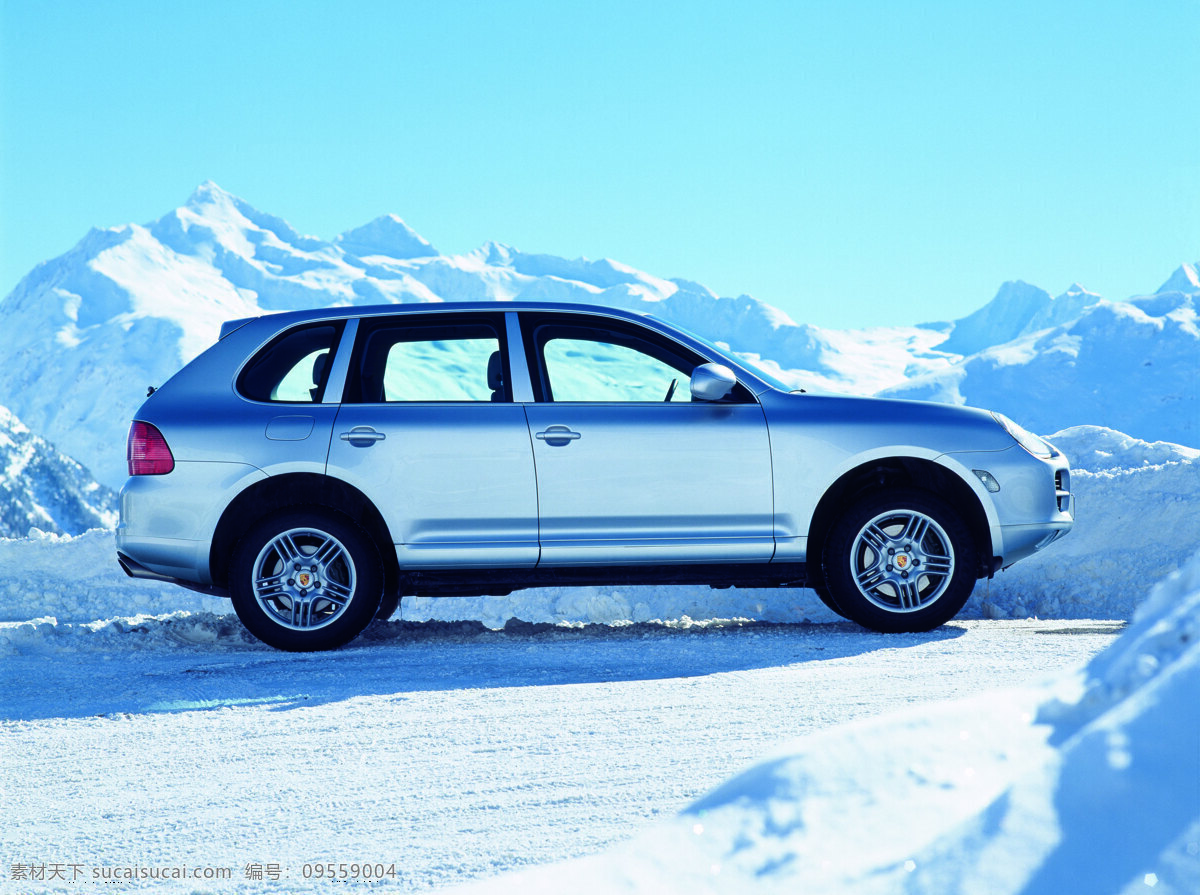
{"points": [[317, 465]]}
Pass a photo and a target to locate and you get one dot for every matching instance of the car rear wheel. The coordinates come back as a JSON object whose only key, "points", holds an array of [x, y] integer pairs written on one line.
{"points": [[904, 561], [306, 579]]}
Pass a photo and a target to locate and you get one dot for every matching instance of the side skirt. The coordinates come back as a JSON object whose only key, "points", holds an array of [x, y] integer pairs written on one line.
{"points": [[500, 582]]}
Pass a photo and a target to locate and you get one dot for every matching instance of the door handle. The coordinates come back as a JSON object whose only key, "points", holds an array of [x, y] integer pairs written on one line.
{"points": [[558, 436], [362, 436]]}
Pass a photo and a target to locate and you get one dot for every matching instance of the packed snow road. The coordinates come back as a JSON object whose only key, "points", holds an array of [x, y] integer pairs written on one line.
{"points": [[438, 752]]}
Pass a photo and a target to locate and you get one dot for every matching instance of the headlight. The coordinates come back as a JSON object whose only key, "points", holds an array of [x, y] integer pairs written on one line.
{"points": [[1024, 438]]}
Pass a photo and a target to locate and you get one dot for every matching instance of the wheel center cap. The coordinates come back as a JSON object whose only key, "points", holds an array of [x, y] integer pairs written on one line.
{"points": [[902, 561], [304, 579]]}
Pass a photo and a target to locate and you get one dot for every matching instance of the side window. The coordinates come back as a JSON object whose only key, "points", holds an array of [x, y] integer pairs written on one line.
{"points": [[598, 365], [293, 367], [423, 362]]}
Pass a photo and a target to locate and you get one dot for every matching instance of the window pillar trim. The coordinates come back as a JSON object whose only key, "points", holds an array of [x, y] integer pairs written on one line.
{"points": [[341, 364], [520, 386]]}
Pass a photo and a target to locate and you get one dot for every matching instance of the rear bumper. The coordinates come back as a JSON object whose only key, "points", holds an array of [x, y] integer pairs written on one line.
{"points": [[134, 569], [169, 558], [167, 521]]}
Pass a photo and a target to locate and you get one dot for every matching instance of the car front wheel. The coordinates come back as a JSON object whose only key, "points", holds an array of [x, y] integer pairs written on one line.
{"points": [[904, 561], [827, 598], [306, 580]]}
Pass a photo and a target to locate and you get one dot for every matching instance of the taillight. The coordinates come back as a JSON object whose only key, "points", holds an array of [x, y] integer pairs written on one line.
{"points": [[147, 451]]}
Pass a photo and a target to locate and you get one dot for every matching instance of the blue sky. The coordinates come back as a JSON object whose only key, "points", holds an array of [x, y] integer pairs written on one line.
{"points": [[852, 163]]}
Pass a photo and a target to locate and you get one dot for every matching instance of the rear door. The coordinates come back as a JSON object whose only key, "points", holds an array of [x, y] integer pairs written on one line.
{"points": [[631, 469], [429, 432]]}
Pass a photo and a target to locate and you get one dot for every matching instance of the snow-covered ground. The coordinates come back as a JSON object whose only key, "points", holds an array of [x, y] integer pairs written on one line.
{"points": [[448, 751], [1090, 783]]}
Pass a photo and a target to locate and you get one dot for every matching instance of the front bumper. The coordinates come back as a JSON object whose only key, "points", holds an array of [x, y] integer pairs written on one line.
{"points": [[1033, 507], [1022, 541]]}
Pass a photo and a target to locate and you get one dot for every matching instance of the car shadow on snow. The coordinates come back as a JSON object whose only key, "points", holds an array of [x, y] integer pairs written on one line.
{"points": [[177, 665]]}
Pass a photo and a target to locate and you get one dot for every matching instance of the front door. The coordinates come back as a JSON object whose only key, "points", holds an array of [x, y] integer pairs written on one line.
{"points": [[630, 469]]}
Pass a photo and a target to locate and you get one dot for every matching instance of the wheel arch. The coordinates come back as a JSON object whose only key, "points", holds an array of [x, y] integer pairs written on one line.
{"points": [[298, 489], [899, 472]]}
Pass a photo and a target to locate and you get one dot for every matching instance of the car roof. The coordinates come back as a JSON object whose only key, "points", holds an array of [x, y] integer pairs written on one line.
{"points": [[288, 318]]}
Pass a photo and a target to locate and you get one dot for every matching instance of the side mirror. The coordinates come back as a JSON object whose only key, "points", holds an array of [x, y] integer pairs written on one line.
{"points": [[712, 382]]}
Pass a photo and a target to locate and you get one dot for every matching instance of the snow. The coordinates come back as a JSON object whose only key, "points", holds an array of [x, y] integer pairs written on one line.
{"points": [[1089, 783], [388, 236], [450, 751], [43, 489], [1100, 449], [459, 753], [76, 580], [1135, 521]]}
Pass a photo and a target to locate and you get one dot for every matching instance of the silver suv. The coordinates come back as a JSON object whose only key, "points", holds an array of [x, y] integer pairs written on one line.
{"points": [[316, 466]]}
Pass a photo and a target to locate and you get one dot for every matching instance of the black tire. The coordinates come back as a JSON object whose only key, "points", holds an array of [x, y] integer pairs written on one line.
{"points": [[388, 606], [827, 598], [901, 561], [325, 600]]}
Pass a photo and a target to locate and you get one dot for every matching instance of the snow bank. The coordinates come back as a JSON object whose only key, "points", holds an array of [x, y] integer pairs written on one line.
{"points": [[59, 593], [1099, 449], [48, 636], [1096, 790], [1117, 808], [1134, 523], [618, 605], [77, 579]]}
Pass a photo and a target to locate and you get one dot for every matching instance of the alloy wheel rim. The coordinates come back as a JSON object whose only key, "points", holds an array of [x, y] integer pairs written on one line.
{"points": [[902, 561], [303, 579]]}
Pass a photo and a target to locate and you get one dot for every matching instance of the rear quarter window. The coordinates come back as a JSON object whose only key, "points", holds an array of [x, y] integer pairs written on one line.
{"points": [[293, 368]]}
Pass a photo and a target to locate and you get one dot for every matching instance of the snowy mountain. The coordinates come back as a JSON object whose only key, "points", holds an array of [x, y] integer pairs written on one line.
{"points": [[386, 236], [1017, 310], [128, 305], [42, 488], [1185, 279], [1132, 366]]}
